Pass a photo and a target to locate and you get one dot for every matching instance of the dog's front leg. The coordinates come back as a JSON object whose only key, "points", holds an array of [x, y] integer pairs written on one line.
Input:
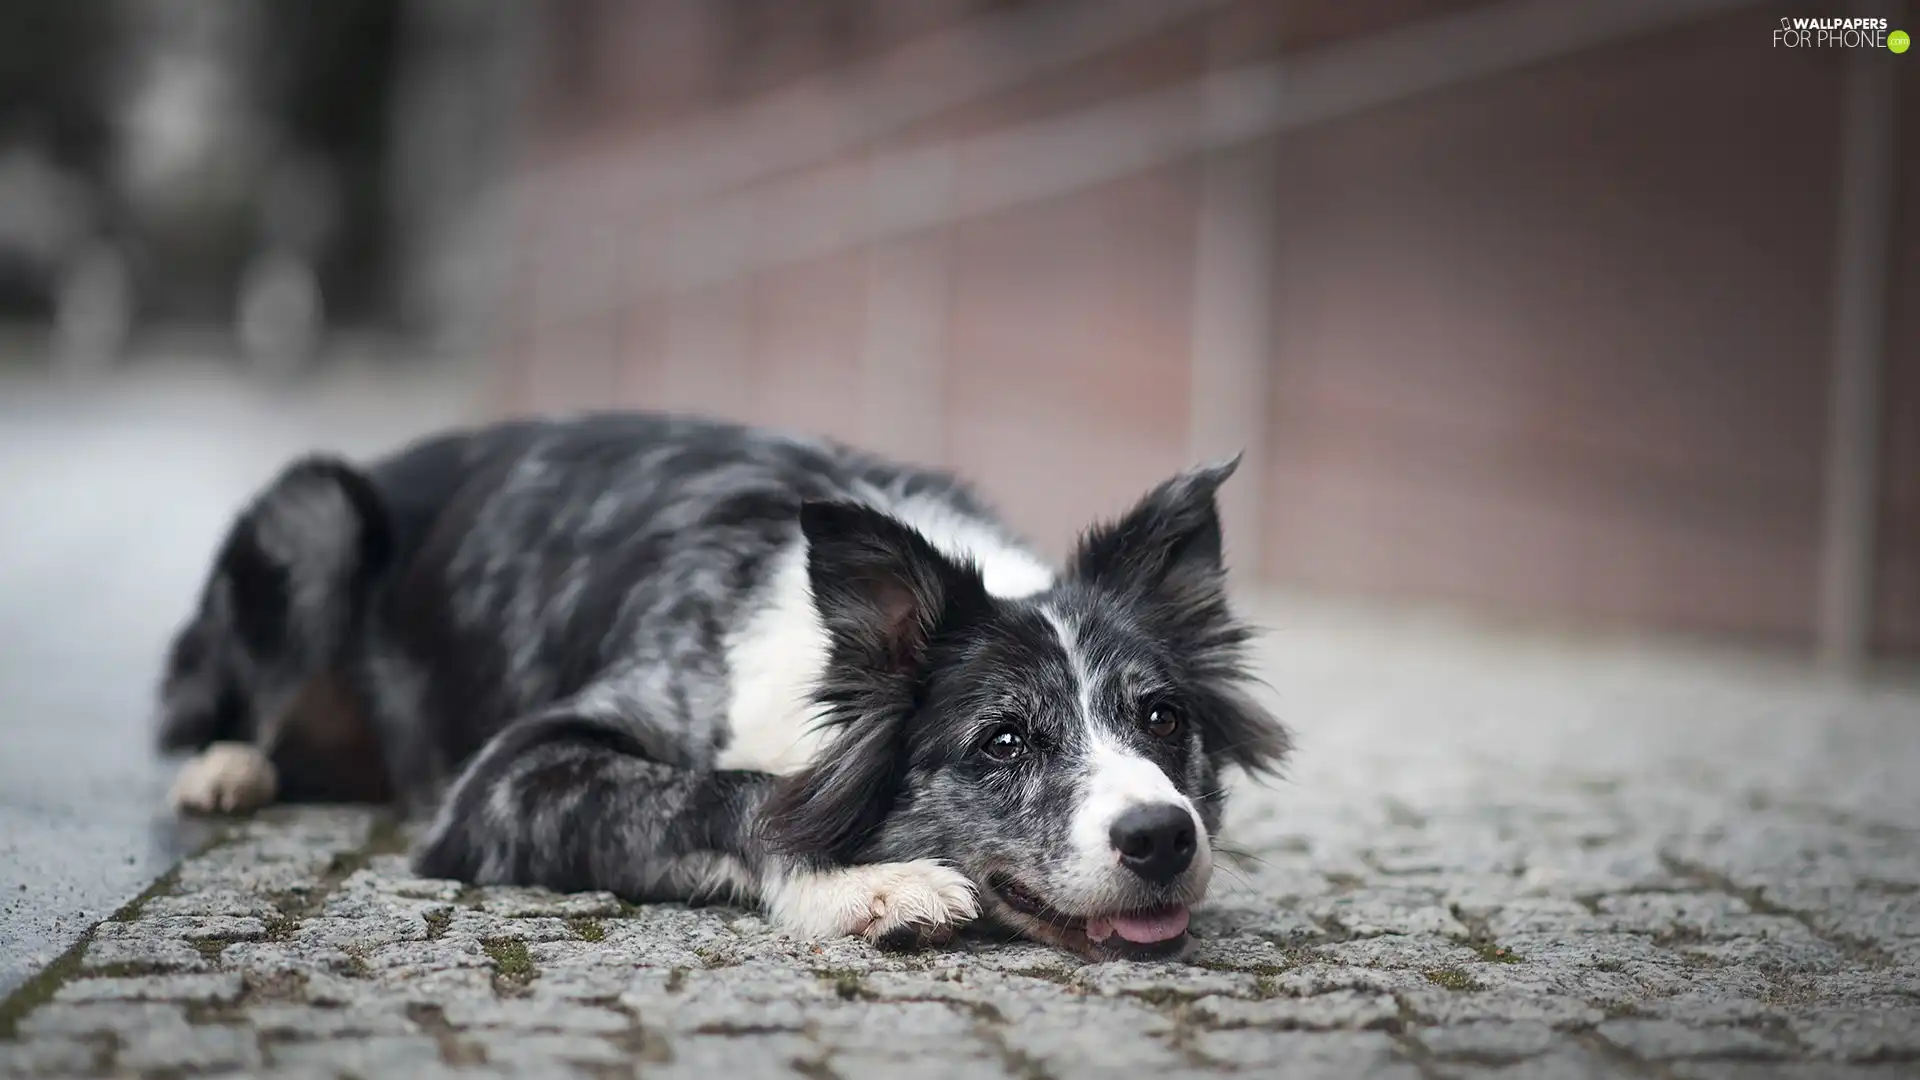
{"points": [[572, 803], [897, 904]]}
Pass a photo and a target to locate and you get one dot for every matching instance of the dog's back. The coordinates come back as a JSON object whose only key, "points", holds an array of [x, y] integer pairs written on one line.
{"points": [[417, 606]]}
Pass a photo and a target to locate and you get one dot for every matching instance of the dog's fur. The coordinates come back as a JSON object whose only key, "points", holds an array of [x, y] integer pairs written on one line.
{"points": [[681, 659]]}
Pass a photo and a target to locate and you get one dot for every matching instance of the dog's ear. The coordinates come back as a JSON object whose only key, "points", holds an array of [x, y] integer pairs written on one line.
{"points": [[880, 588], [1165, 555], [883, 594], [1166, 549]]}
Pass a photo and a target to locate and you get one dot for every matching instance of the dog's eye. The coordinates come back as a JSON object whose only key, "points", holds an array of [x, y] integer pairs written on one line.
{"points": [[1004, 743], [1161, 720]]}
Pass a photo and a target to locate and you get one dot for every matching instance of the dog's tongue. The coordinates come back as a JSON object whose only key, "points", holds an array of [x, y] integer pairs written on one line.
{"points": [[1144, 928]]}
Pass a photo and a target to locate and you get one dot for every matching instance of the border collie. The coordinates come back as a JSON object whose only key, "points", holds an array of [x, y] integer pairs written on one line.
{"points": [[679, 659]]}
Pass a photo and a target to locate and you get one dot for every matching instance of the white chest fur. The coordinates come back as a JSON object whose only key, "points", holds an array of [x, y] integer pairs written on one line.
{"points": [[776, 657]]}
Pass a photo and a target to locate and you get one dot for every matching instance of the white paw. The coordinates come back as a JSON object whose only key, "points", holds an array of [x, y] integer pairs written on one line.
{"points": [[873, 901], [225, 778]]}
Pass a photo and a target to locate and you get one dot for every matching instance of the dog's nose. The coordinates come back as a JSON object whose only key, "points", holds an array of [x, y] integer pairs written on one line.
{"points": [[1155, 841]]}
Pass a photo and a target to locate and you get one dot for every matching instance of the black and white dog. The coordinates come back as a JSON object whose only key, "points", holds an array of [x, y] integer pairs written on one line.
{"points": [[680, 659]]}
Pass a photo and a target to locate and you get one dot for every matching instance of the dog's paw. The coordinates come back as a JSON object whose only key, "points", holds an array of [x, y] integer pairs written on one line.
{"points": [[225, 778], [895, 904]]}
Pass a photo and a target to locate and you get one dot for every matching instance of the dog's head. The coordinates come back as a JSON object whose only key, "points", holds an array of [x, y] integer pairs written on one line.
{"points": [[1064, 750]]}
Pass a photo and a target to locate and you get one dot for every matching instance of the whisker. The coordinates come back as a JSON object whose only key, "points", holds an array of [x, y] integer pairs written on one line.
{"points": [[1243, 881], [1240, 854]]}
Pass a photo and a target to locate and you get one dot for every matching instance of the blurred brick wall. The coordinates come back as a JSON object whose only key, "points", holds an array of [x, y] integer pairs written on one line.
{"points": [[1552, 341], [1898, 622]]}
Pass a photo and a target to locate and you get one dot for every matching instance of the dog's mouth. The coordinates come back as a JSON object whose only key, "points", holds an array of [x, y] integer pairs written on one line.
{"points": [[1155, 933]]}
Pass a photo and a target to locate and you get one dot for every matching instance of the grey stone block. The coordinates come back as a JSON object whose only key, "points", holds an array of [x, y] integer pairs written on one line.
{"points": [[142, 954], [1372, 911], [534, 1015], [1161, 980], [1421, 951], [223, 902], [1544, 915], [306, 1022], [202, 1048], [1560, 1063], [51, 1057], [523, 903], [1801, 955], [1492, 1041], [378, 1055], [1861, 1035], [1775, 1070], [121, 1019], [534, 1053], [1657, 1040], [1879, 918], [950, 1064], [762, 1055], [1339, 1010], [1442, 1006], [1307, 1055], [1667, 913], [212, 988]]}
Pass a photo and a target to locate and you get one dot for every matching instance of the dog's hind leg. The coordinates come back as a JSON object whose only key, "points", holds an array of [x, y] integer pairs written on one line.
{"points": [[576, 803], [285, 590]]}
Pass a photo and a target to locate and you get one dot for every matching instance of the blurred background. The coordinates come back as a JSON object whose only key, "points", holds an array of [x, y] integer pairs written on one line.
{"points": [[1581, 309], [1580, 313]]}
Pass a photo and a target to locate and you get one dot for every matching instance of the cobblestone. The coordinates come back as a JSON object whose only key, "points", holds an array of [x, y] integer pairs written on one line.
{"points": [[1661, 1039], [203, 1047], [1490, 1042], [1489, 861], [221, 988], [1885, 1034]]}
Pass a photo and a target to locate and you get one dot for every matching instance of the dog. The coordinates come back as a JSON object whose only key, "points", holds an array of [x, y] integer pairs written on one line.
{"points": [[679, 659]]}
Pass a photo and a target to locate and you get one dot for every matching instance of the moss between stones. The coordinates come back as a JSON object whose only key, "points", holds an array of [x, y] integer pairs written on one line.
{"points": [[130, 970], [131, 910], [1498, 954], [387, 837], [850, 988], [1017, 1062], [814, 1069], [510, 960], [41, 988], [587, 929], [1289, 959], [1267, 987], [1060, 976], [1452, 979], [714, 957], [202, 1013], [1163, 996]]}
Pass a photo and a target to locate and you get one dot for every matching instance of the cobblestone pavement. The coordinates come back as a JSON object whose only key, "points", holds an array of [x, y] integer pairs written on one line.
{"points": [[1494, 857]]}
